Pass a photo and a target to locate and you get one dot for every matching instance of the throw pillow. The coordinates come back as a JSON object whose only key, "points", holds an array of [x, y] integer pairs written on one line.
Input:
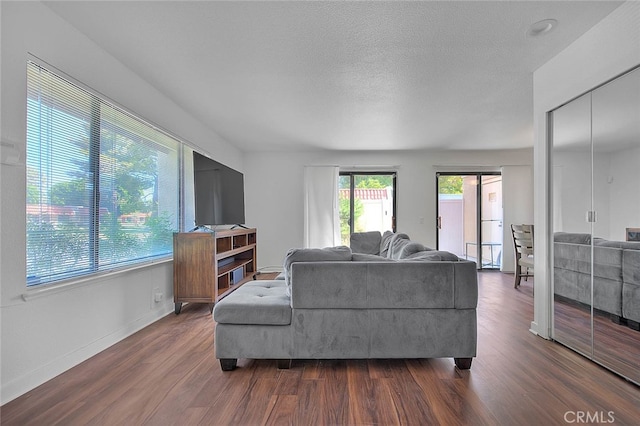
{"points": [[398, 242], [409, 249], [384, 243]]}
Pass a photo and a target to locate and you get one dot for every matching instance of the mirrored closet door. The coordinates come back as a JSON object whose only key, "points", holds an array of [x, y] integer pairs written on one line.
{"points": [[595, 160]]}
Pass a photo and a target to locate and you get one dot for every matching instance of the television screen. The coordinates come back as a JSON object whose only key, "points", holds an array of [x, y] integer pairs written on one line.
{"points": [[219, 193]]}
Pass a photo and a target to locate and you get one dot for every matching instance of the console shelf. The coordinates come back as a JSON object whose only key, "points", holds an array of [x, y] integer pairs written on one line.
{"points": [[209, 265]]}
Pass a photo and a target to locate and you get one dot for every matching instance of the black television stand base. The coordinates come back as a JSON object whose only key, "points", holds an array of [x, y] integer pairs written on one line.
{"points": [[237, 225]]}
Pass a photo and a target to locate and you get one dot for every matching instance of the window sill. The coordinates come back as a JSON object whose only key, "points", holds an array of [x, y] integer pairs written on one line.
{"points": [[48, 289]]}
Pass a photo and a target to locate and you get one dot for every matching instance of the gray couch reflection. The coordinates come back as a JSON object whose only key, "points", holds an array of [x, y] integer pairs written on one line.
{"points": [[616, 274]]}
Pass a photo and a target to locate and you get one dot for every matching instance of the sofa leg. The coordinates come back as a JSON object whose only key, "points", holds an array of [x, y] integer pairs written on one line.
{"points": [[283, 364], [616, 319], [463, 363], [634, 325], [228, 364]]}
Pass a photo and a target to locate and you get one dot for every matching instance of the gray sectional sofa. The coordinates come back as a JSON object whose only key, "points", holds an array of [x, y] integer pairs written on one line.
{"points": [[616, 274], [390, 299]]}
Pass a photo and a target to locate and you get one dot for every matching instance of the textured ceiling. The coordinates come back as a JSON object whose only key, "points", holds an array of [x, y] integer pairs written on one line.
{"points": [[278, 76]]}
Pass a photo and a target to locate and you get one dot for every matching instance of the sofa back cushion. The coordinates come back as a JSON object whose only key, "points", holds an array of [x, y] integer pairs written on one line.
{"points": [[366, 242], [625, 245]]}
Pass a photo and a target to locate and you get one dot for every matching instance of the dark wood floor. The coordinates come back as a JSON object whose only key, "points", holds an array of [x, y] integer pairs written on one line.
{"points": [[167, 374], [614, 345]]}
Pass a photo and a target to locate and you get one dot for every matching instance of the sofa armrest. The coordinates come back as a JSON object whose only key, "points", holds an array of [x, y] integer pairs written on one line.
{"points": [[466, 285]]}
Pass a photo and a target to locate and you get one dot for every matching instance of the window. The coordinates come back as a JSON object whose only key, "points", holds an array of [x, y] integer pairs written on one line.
{"points": [[367, 203], [102, 185]]}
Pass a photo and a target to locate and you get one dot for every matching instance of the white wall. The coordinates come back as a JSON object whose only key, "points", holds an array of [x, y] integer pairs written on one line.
{"points": [[624, 181], [575, 192], [46, 335], [274, 190], [607, 50]]}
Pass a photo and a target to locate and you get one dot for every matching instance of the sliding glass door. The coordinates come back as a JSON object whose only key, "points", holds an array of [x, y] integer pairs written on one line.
{"points": [[367, 203], [470, 216]]}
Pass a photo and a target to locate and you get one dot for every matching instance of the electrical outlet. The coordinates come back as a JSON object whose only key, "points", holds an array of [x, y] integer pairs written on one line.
{"points": [[156, 297]]}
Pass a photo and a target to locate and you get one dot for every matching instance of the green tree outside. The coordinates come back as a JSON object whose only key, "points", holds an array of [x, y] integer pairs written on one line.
{"points": [[128, 171], [70, 193], [450, 184]]}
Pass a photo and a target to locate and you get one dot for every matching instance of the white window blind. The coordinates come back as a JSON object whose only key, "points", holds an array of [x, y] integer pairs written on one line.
{"points": [[102, 185]]}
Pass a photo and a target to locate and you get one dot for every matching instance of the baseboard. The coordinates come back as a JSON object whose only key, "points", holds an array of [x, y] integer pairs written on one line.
{"points": [[534, 329], [33, 379]]}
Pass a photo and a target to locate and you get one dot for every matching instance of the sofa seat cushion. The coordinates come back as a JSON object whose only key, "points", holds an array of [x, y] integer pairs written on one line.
{"points": [[433, 256], [363, 257], [257, 302]]}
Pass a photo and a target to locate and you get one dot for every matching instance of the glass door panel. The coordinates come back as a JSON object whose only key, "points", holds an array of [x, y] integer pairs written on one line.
{"points": [[344, 200], [367, 203], [572, 195], [456, 214]]}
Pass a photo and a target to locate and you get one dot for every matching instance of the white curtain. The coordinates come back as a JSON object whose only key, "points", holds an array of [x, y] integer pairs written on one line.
{"points": [[517, 199], [321, 219]]}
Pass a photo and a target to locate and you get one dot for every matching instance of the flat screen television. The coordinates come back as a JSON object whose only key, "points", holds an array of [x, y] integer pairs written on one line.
{"points": [[218, 191]]}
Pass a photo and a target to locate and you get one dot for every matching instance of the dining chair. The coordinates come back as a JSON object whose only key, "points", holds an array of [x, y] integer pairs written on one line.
{"points": [[523, 244]]}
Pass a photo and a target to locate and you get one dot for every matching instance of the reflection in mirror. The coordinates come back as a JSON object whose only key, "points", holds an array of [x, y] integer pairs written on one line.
{"points": [[596, 275], [571, 159], [616, 156]]}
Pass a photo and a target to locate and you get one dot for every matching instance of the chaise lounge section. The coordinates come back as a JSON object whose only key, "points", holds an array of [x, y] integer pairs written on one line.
{"points": [[338, 304]]}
